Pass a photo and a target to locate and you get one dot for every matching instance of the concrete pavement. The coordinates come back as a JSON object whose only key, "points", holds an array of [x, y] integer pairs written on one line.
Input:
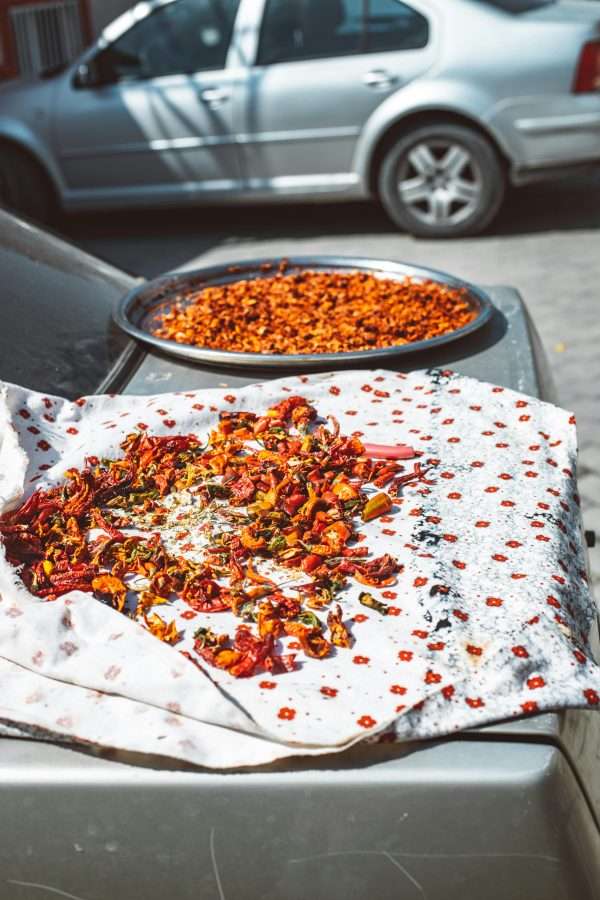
{"points": [[546, 243]]}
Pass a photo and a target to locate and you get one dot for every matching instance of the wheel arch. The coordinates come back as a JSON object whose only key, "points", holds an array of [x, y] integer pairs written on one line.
{"points": [[29, 150], [417, 119]]}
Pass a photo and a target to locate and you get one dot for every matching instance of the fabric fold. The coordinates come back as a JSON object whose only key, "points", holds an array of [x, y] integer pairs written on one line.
{"points": [[490, 616]]}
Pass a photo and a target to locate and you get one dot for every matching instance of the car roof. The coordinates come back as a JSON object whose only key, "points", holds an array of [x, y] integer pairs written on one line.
{"points": [[127, 19]]}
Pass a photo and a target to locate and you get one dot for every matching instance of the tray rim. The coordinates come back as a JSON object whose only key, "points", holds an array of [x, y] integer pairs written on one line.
{"points": [[123, 314]]}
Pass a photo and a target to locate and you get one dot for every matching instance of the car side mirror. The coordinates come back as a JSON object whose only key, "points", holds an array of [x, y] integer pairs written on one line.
{"points": [[108, 66], [87, 75]]}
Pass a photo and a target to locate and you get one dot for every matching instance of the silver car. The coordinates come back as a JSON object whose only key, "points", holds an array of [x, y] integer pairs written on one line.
{"points": [[507, 812], [433, 106]]}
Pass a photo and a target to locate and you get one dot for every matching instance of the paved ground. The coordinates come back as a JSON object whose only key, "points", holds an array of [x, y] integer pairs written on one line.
{"points": [[546, 243]]}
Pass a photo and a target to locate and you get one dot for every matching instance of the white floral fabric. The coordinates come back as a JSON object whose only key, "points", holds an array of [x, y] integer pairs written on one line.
{"points": [[490, 617]]}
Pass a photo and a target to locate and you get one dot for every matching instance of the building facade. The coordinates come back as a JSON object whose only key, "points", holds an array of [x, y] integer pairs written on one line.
{"points": [[38, 35]]}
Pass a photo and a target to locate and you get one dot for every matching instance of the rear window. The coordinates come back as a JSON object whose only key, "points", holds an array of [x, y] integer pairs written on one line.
{"points": [[391, 25], [294, 30], [517, 6]]}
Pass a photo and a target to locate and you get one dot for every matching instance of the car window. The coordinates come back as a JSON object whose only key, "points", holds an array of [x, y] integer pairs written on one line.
{"points": [[312, 29], [308, 29], [182, 37], [392, 25]]}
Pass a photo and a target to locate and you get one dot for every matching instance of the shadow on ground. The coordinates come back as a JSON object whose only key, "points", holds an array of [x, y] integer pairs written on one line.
{"points": [[568, 204], [149, 242]]}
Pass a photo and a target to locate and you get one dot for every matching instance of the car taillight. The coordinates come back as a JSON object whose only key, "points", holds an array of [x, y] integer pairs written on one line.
{"points": [[587, 78]]}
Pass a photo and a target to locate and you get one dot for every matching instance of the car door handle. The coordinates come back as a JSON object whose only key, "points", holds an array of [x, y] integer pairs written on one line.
{"points": [[214, 96], [378, 78]]}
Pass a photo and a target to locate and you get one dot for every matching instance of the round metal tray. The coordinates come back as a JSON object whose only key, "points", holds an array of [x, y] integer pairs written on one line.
{"points": [[138, 310]]}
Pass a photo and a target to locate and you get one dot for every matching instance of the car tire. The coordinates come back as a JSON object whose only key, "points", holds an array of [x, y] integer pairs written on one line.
{"points": [[441, 180], [24, 186]]}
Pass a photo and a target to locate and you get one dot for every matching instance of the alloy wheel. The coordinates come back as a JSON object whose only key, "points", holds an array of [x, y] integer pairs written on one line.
{"points": [[440, 182]]}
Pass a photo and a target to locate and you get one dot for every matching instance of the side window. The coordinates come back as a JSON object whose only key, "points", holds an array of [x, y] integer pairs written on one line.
{"points": [[312, 29], [392, 25], [182, 37], [309, 29]]}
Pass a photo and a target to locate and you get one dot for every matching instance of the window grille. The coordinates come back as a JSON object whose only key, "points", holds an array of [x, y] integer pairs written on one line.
{"points": [[46, 35]]}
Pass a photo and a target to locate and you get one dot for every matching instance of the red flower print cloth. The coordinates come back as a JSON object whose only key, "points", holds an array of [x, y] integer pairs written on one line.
{"points": [[491, 610]]}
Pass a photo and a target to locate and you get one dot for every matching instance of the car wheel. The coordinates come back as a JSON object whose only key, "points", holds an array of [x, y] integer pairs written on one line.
{"points": [[24, 186], [441, 180]]}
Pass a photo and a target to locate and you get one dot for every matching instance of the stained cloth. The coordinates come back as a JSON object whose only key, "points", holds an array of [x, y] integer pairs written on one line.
{"points": [[490, 617]]}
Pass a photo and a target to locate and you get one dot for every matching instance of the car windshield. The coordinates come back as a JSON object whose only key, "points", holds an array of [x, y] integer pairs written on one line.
{"points": [[517, 6], [56, 333]]}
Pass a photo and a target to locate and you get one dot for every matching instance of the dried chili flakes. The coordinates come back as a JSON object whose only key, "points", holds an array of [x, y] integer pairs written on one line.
{"points": [[275, 487], [314, 312]]}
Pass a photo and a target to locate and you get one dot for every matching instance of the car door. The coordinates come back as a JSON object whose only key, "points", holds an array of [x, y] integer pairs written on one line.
{"points": [[151, 112], [322, 68]]}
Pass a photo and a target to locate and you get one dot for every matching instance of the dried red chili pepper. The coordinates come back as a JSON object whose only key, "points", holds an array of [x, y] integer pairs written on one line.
{"points": [[298, 494], [314, 312], [379, 505], [372, 603], [340, 636]]}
